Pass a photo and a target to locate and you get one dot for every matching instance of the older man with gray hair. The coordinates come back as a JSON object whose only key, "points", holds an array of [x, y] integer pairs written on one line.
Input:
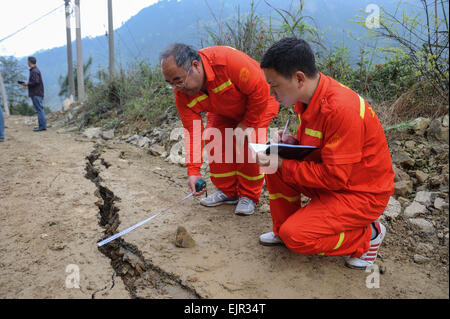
{"points": [[230, 86]]}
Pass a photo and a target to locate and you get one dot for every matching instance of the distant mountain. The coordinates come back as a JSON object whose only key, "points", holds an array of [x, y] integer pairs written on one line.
{"points": [[144, 35]]}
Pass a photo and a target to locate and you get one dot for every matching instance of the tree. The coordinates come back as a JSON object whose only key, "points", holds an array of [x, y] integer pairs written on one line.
{"points": [[64, 81], [420, 38], [17, 94]]}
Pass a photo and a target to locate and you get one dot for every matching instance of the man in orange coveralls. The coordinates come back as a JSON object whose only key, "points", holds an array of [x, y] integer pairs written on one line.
{"points": [[349, 179], [231, 87]]}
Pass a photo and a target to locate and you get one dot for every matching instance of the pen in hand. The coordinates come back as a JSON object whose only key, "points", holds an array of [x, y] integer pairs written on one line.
{"points": [[285, 129]]}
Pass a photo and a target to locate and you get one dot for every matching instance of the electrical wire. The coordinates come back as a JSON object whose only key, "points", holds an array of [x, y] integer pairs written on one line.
{"points": [[29, 24]]}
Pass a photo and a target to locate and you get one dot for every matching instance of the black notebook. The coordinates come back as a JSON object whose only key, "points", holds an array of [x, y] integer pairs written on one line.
{"points": [[287, 151]]}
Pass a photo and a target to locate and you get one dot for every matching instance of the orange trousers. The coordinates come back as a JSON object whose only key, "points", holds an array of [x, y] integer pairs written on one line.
{"points": [[332, 223], [231, 171]]}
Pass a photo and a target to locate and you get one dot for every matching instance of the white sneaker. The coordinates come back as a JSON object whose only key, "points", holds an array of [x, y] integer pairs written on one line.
{"points": [[270, 239], [245, 207], [218, 198], [369, 257]]}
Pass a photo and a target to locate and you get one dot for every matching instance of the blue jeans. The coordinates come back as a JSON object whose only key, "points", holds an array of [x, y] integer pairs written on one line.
{"points": [[39, 108], [2, 125]]}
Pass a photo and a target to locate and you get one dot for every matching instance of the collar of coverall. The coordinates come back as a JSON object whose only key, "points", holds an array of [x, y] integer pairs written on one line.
{"points": [[316, 101], [207, 61]]}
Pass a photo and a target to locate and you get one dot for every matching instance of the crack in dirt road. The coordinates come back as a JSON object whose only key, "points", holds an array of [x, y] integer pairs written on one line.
{"points": [[126, 259]]}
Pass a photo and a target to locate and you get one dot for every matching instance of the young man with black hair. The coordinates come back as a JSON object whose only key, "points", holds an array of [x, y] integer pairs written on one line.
{"points": [[36, 93], [349, 179]]}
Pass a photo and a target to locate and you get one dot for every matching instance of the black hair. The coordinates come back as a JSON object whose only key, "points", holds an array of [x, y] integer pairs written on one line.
{"points": [[32, 59], [184, 54], [290, 55]]}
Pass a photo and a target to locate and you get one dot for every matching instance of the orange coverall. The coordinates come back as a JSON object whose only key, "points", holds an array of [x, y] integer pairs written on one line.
{"points": [[349, 179], [236, 92]]}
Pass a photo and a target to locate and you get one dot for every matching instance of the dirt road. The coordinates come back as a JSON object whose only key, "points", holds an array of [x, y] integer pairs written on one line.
{"points": [[49, 221]]}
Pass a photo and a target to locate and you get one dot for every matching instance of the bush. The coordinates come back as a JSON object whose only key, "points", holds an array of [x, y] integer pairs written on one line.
{"points": [[138, 94]]}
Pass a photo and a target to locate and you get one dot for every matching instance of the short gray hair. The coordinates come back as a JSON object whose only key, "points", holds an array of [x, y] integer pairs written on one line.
{"points": [[184, 55]]}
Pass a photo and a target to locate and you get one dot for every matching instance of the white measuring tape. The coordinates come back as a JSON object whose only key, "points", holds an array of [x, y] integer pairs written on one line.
{"points": [[123, 232]]}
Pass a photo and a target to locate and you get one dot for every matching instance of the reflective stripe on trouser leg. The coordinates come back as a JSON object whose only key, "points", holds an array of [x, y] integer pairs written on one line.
{"points": [[250, 178], [284, 200], [223, 176], [312, 230], [241, 177]]}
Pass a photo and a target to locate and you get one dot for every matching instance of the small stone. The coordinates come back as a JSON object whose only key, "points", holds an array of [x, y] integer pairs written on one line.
{"points": [[436, 181], [437, 131], [403, 188], [156, 150], [424, 249], [58, 246], [421, 176], [400, 175], [424, 197], [410, 144], [440, 204], [415, 209], [423, 225], [108, 135], [43, 236], [403, 201], [93, 132], [403, 159], [265, 208], [419, 259], [133, 139], [445, 121], [183, 238], [143, 142], [393, 208], [382, 269], [420, 125]]}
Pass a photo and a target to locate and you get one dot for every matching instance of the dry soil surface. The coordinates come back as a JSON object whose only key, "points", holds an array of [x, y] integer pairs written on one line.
{"points": [[49, 223]]}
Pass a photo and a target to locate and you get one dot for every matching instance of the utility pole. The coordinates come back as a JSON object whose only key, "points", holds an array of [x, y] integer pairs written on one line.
{"points": [[5, 99], [69, 53], [80, 71], [111, 39]]}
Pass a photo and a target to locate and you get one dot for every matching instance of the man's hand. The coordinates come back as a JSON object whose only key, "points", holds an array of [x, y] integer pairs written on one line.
{"points": [[25, 84], [267, 161], [286, 139], [191, 183]]}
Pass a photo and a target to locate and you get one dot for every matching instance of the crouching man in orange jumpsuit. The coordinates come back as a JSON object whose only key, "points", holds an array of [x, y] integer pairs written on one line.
{"points": [[349, 179], [231, 87]]}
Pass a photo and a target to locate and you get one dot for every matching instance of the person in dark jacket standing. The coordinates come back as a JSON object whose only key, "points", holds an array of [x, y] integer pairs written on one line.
{"points": [[36, 93]]}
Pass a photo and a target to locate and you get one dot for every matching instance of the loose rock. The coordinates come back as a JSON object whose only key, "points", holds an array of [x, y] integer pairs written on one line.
{"points": [[183, 238], [424, 198], [440, 204], [93, 132], [419, 259], [393, 208], [415, 209], [403, 188], [108, 135], [423, 225]]}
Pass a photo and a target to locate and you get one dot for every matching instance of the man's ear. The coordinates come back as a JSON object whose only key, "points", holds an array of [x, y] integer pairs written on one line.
{"points": [[196, 65], [300, 77]]}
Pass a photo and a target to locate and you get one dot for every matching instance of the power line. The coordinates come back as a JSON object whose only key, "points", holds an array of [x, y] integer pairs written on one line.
{"points": [[23, 28]]}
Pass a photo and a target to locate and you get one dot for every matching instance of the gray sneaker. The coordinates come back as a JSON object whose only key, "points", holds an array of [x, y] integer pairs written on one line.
{"points": [[245, 207], [218, 198]]}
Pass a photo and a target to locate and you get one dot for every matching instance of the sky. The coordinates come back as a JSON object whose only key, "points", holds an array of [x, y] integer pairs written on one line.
{"points": [[50, 31]]}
